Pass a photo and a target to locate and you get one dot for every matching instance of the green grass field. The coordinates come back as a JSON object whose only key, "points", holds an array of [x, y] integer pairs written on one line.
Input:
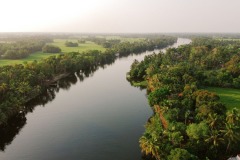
{"points": [[60, 43], [82, 47], [30, 58], [230, 97]]}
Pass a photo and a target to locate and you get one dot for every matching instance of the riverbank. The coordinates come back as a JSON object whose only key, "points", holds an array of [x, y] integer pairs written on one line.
{"points": [[19, 82], [56, 78], [85, 113], [188, 119]]}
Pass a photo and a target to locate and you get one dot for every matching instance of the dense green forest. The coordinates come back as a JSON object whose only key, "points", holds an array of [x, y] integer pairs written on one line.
{"points": [[21, 82], [189, 122], [22, 48]]}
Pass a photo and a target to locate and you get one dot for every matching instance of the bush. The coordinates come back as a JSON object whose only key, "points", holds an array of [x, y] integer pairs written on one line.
{"points": [[71, 44], [51, 49]]}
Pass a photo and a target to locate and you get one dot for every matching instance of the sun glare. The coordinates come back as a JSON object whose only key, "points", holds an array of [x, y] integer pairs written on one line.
{"points": [[28, 15]]}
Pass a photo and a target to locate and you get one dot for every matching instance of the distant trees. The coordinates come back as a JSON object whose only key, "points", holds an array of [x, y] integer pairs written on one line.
{"points": [[81, 41], [22, 49], [180, 154], [51, 49], [71, 44]]}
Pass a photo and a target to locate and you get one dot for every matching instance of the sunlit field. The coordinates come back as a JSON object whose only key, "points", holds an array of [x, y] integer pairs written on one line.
{"points": [[230, 97], [30, 58], [81, 47], [60, 43], [88, 45]]}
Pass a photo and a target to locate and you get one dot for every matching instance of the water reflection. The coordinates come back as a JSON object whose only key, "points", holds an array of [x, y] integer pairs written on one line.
{"points": [[9, 132], [17, 122], [87, 128]]}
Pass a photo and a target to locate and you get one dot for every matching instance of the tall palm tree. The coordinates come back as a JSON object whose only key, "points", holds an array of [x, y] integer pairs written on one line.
{"points": [[149, 146], [233, 117], [212, 120], [3, 88], [214, 138], [231, 134]]}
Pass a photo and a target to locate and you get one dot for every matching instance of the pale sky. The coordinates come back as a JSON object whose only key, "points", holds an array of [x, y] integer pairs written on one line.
{"points": [[120, 16]]}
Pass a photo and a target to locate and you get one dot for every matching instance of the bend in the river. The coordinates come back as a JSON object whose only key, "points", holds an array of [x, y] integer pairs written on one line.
{"points": [[85, 117]]}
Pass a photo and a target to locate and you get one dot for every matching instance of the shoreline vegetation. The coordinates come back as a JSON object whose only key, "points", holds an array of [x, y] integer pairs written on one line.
{"points": [[190, 123], [21, 82]]}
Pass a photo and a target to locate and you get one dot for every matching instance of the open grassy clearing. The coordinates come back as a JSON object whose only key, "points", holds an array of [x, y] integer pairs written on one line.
{"points": [[30, 58], [230, 97], [60, 43], [82, 46]]}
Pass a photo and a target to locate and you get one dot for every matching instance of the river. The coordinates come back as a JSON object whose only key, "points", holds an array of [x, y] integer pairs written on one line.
{"points": [[99, 118]]}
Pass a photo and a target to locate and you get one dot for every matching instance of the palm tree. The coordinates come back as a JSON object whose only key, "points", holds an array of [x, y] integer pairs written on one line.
{"points": [[233, 117], [186, 115], [3, 88], [231, 134], [149, 146], [212, 120], [215, 138]]}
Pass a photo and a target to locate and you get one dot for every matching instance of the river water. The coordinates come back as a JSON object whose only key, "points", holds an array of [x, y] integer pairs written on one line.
{"points": [[99, 118]]}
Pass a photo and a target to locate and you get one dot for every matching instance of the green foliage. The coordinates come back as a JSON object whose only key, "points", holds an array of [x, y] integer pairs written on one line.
{"points": [[174, 78], [88, 45], [180, 154], [149, 142], [51, 49], [20, 83], [233, 65], [158, 96], [197, 131], [57, 42], [21, 49], [81, 41], [71, 44]]}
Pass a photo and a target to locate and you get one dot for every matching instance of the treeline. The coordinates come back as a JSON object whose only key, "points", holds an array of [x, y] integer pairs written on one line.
{"points": [[215, 63], [17, 122], [102, 41], [22, 82], [148, 42], [190, 123], [125, 48], [71, 44], [23, 48]]}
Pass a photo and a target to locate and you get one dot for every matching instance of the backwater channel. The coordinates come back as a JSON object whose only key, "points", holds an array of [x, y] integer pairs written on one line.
{"points": [[96, 117]]}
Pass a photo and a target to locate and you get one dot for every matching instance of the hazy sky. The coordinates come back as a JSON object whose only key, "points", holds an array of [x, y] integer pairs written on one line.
{"points": [[118, 16]]}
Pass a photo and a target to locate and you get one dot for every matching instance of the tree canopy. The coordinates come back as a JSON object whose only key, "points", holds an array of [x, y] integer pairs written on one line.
{"points": [[174, 83]]}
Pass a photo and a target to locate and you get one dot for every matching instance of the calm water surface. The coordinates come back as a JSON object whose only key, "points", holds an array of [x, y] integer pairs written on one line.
{"points": [[100, 118]]}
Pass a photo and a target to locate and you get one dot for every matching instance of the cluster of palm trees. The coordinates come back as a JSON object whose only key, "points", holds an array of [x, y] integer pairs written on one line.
{"points": [[198, 125]]}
